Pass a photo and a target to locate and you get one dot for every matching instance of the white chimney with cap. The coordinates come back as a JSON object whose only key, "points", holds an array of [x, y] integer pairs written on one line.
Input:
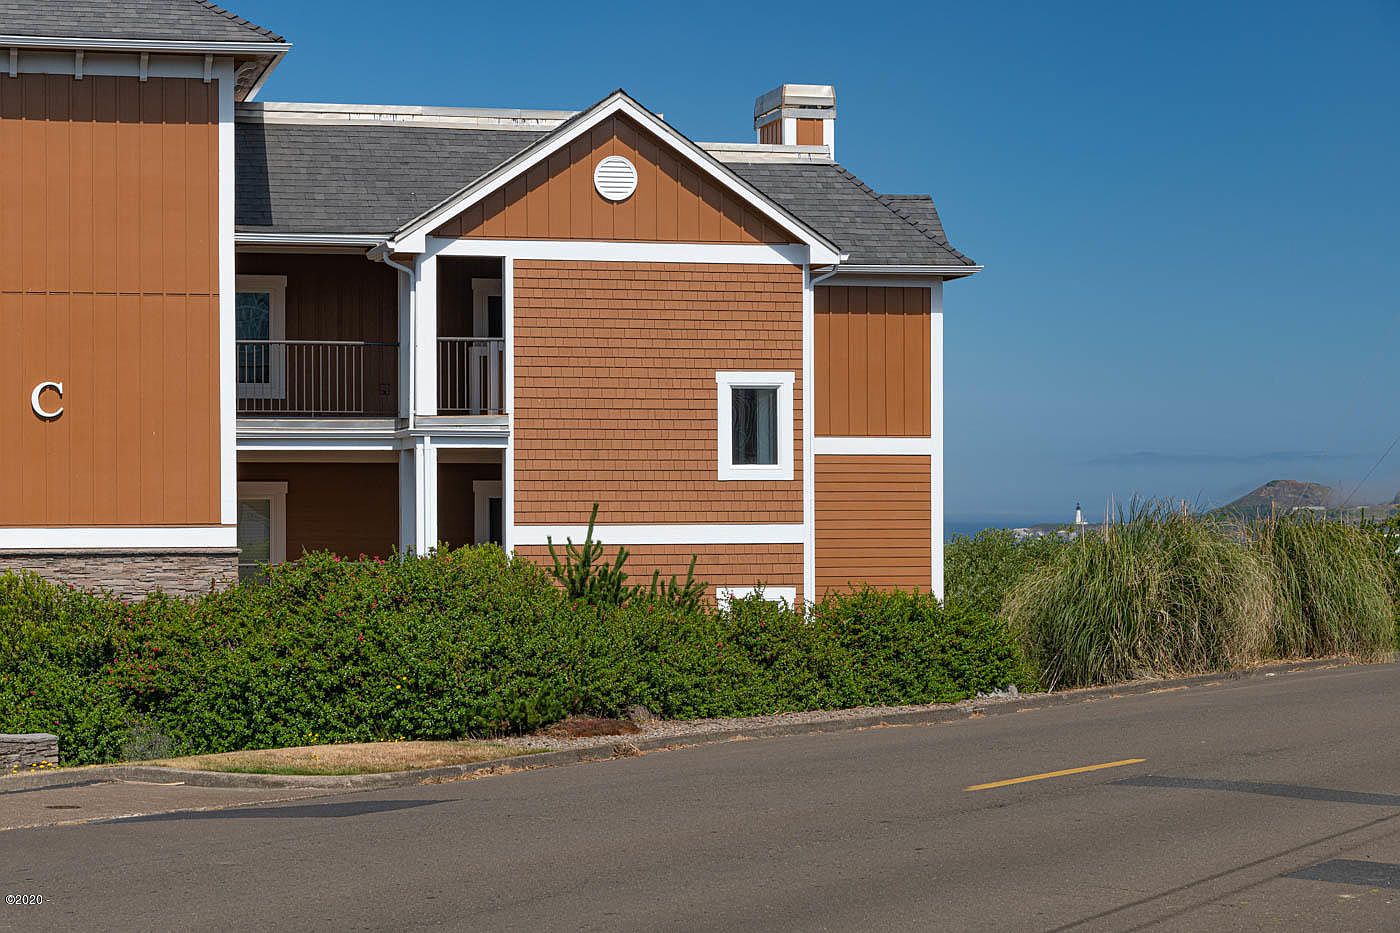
{"points": [[797, 115]]}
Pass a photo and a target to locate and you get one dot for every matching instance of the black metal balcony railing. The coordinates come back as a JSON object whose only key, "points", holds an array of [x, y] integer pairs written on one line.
{"points": [[471, 375], [314, 378]]}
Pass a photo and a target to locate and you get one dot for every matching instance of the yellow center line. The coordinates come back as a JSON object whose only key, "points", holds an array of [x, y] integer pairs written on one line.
{"points": [[1055, 774]]}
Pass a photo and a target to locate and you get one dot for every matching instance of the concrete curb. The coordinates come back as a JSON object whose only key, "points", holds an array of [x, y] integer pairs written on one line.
{"points": [[625, 746]]}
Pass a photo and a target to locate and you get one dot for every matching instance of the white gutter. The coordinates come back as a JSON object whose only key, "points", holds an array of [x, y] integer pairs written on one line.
{"points": [[174, 46], [910, 270], [308, 239]]}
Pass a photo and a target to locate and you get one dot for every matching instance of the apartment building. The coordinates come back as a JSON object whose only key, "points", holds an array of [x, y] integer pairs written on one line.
{"points": [[236, 330]]}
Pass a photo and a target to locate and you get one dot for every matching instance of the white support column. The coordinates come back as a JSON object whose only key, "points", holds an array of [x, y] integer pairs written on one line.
{"points": [[228, 284], [508, 467], [425, 327], [789, 131], [936, 429], [809, 434], [418, 497]]}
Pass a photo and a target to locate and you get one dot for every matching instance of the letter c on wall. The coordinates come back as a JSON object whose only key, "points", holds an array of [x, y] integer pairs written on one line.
{"points": [[36, 400]]}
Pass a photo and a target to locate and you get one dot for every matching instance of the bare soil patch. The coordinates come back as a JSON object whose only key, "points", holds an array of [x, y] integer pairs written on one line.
{"points": [[356, 758]]}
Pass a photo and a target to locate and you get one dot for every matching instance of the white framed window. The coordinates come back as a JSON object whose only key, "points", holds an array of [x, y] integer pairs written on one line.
{"points": [[724, 595], [260, 323], [488, 502], [755, 425], [262, 527]]}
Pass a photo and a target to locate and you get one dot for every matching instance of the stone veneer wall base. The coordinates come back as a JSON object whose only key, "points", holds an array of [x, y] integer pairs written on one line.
{"points": [[131, 573], [23, 752]]}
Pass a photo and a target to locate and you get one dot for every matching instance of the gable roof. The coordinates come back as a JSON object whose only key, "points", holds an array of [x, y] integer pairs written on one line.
{"points": [[158, 20], [353, 174], [413, 234]]}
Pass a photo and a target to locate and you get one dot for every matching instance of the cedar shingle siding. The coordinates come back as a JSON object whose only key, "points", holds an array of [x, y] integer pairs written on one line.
{"points": [[615, 396]]}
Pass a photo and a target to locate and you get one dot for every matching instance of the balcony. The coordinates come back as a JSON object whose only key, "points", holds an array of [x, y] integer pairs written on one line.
{"points": [[359, 379], [317, 378], [471, 375]]}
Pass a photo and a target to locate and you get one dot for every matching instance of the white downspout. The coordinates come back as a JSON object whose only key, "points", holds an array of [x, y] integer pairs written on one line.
{"points": [[381, 253]]}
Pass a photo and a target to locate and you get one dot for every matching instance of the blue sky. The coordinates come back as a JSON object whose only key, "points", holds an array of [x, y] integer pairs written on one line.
{"points": [[1189, 213]]}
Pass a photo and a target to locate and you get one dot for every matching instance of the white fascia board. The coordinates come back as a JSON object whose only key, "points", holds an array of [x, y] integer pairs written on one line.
{"points": [[174, 46], [938, 271], [365, 240], [154, 537], [317, 444], [412, 237], [686, 535], [873, 446], [621, 251]]}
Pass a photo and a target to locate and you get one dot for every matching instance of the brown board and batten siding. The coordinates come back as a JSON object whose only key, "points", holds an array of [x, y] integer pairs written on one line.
{"points": [[874, 522], [615, 395], [872, 364], [109, 284], [674, 202], [809, 132]]}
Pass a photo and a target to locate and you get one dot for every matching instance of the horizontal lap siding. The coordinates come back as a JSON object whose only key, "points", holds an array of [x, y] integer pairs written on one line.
{"points": [[733, 566], [109, 284], [872, 363], [615, 396], [674, 202], [874, 522]]}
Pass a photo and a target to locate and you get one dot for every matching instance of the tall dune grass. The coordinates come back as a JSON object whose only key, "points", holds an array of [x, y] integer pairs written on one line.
{"points": [[1333, 592], [1157, 593]]}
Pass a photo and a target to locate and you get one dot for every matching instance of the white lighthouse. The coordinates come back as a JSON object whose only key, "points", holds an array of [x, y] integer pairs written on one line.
{"points": [[1080, 525]]}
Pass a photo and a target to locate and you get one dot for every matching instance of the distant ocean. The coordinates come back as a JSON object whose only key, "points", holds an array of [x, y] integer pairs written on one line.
{"points": [[965, 525]]}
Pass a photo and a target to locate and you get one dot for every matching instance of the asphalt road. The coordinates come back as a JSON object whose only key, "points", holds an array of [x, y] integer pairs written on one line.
{"points": [[1271, 803]]}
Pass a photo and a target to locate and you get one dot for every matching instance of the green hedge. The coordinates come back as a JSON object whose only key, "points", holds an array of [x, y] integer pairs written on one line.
{"points": [[463, 643]]}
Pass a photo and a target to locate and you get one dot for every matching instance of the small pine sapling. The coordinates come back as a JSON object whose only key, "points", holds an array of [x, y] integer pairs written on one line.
{"points": [[585, 574]]}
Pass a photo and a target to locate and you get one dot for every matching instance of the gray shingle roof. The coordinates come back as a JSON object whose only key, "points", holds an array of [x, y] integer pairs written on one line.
{"points": [[338, 178], [843, 207], [373, 178], [187, 20], [918, 208]]}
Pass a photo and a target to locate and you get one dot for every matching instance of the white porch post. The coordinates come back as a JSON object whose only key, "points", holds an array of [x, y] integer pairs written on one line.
{"points": [[936, 429], [418, 497], [425, 342]]}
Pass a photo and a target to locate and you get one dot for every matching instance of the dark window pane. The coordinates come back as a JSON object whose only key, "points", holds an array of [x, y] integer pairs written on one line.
{"points": [[253, 321], [497, 520], [755, 414], [495, 319]]}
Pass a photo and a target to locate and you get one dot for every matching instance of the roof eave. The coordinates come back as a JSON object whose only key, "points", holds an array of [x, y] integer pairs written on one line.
{"points": [[908, 271], [172, 46]]}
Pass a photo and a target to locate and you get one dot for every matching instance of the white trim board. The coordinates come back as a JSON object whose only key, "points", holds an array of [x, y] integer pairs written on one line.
{"points": [[874, 446], [662, 534], [412, 236], [809, 428], [151, 537], [228, 374], [621, 251]]}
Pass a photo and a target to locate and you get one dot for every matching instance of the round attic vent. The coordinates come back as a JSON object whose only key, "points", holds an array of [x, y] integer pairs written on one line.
{"points": [[615, 178]]}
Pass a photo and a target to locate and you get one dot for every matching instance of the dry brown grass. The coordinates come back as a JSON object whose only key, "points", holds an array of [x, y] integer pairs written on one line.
{"points": [[357, 758]]}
